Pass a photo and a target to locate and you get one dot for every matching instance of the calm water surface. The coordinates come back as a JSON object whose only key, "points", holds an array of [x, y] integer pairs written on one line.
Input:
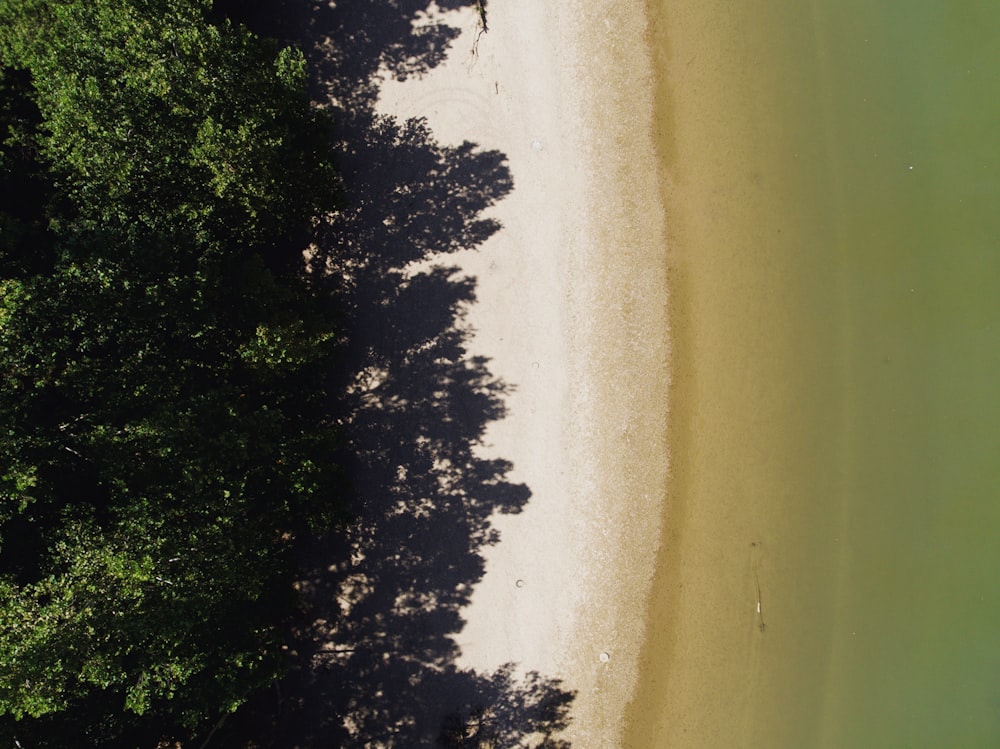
{"points": [[832, 172], [910, 92]]}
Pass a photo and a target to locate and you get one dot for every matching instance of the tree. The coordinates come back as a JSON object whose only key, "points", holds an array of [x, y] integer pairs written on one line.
{"points": [[25, 246], [156, 118], [163, 381]]}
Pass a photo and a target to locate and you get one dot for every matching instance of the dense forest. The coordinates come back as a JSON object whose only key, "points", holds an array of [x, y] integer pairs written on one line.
{"points": [[163, 368], [237, 474]]}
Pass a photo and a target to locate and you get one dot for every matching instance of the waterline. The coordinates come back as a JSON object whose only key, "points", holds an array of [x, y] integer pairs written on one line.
{"points": [[830, 173]]}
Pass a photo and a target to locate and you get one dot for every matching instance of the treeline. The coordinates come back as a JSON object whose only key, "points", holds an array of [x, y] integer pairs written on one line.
{"points": [[163, 435]]}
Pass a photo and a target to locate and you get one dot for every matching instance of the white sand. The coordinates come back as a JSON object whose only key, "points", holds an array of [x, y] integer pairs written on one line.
{"points": [[571, 311]]}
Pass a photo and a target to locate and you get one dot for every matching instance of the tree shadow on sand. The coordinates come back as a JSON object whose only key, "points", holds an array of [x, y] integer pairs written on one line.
{"points": [[383, 600]]}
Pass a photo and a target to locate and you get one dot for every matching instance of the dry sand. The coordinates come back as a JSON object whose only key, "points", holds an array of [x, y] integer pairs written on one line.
{"points": [[571, 312]]}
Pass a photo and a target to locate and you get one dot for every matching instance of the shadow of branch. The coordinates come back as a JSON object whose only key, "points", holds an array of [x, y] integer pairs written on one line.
{"points": [[383, 598]]}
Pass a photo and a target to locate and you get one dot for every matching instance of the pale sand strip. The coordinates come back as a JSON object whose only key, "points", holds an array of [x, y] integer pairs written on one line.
{"points": [[571, 311]]}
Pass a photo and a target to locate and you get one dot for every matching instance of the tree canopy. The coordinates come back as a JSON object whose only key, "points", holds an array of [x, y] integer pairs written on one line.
{"points": [[163, 375]]}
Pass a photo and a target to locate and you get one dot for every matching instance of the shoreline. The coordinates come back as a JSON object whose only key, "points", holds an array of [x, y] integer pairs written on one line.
{"points": [[752, 317], [571, 313], [629, 343]]}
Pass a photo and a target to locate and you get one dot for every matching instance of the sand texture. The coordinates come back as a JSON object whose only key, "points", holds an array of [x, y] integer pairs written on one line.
{"points": [[503, 268]]}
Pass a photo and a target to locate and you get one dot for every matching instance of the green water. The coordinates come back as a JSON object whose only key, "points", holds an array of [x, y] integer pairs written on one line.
{"points": [[833, 171], [909, 95]]}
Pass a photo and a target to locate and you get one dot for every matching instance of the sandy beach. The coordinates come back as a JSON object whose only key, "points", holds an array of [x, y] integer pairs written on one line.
{"points": [[570, 312], [532, 558]]}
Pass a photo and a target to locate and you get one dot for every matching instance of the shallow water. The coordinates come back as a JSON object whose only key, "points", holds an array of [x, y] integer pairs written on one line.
{"points": [[831, 174]]}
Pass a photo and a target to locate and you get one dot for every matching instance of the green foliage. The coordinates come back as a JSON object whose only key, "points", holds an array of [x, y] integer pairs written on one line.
{"points": [[24, 186], [161, 386], [155, 117]]}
